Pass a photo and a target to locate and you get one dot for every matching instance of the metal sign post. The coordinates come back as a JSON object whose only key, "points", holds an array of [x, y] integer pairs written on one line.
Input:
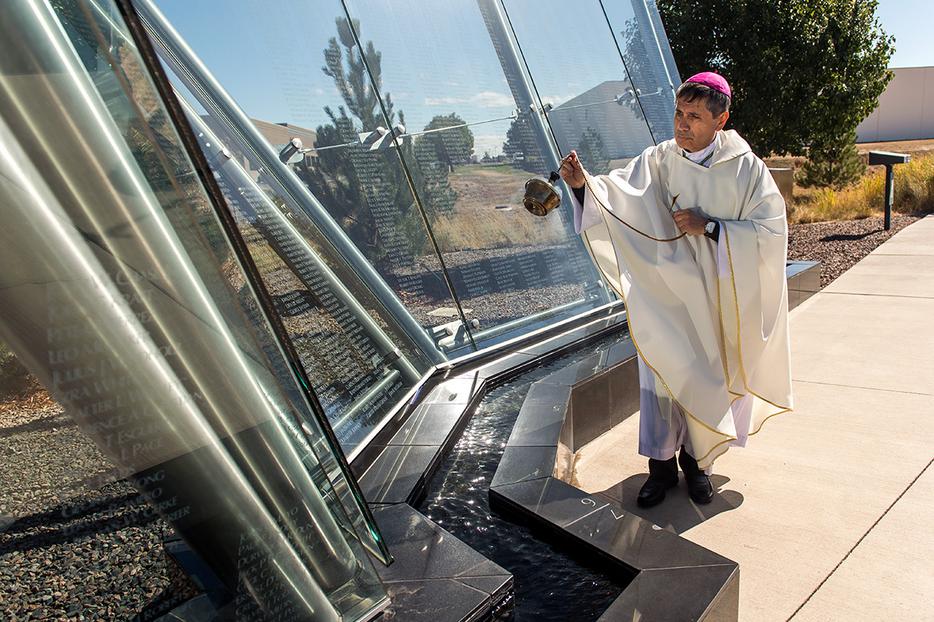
{"points": [[888, 160]]}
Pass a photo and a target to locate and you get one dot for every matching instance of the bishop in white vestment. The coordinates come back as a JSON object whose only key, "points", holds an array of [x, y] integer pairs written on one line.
{"points": [[692, 235]]}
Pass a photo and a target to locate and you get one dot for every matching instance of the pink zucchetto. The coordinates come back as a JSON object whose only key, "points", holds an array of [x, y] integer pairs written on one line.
{"points": [[712, 80]]}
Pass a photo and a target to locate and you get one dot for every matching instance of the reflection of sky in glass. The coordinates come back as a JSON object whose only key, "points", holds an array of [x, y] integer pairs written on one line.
{"points": [[578, 65], [567, 54], [269, 56], [439, 62]]}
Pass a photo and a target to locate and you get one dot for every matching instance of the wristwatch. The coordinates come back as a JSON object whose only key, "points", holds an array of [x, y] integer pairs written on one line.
{"points": [[712, 229]]}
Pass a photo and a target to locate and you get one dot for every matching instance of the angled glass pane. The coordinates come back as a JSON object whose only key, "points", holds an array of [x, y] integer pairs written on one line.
{"points": [[469, 146], [581, 81], [641, 37], [313, 87], [361, 356], [359, 362], [166, 358]]}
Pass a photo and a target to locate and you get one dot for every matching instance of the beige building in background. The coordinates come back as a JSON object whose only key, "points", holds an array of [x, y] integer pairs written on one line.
{"points": [[277, 134], [905, 110]]}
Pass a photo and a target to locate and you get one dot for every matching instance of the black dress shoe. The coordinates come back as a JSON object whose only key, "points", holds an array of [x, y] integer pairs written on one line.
{"points": [[699, 486], [663, 474]]}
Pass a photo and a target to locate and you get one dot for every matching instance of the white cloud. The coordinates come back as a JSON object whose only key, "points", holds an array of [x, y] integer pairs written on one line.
{"points": [[557, 100], [492, 143], [483, 99]]}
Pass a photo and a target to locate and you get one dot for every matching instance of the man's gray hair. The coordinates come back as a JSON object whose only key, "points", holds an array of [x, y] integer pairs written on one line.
{"points": [[717, 102]]}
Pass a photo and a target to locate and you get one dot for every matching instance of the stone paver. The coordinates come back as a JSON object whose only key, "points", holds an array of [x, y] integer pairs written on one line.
{"points": [[889, 575], [889, 275], [881, 342], [913, 240]]}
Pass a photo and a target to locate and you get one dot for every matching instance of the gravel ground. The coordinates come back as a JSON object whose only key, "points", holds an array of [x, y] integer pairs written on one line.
{"points": [[499, 307], [839, 244], [73, 544]]}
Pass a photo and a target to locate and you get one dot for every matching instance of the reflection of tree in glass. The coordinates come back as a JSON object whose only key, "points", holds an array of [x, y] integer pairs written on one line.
{"points": [[366, 191], [646, 77], [450, 147], [521, 147], [433, 163], [435, 156], [592, 152]]}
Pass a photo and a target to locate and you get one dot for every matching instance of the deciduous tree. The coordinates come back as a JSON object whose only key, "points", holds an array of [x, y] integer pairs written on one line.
{"points": [[804, 73]]}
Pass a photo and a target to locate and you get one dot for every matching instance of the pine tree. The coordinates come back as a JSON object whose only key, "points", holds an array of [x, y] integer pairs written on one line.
{"points": [[834, 162], [357, 185], [592, 152]]}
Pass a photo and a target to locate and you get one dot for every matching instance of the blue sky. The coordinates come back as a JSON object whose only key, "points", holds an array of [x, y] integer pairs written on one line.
{"points": [[269, 53], [910, 22]]}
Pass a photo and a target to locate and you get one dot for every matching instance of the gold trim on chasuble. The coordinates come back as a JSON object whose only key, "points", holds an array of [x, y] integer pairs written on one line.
{"points": [[739, 342], [724, 362]]}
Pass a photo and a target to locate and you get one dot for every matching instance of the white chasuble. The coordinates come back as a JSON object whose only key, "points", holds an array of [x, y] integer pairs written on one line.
{"points": [[710, 319]]}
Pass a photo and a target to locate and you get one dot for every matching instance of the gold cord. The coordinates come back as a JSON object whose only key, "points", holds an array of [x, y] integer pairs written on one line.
{"points": [[610, 212]]}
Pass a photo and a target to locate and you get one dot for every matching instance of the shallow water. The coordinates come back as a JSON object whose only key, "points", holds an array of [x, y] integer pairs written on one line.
{"points": [[550, 585]]}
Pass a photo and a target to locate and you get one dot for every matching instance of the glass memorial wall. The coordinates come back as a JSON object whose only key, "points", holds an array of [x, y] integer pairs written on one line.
{"points": [[375, 155], [417, 140], [640, 36], [122, 291], [470, 146], [582, 82], [361, 355], [296, 64]]}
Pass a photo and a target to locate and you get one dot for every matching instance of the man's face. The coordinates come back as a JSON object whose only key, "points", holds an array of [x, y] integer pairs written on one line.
{"points": [[695, 125]]}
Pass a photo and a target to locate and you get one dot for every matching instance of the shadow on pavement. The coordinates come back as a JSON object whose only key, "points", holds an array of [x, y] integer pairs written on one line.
{"points": [[677, 513]]}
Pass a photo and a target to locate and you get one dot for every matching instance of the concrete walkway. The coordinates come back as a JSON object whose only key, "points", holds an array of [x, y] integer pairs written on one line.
{"points": [[830, 510]]}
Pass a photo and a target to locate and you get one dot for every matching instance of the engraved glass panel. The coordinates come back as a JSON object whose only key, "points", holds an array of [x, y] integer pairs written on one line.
{"points": [[581, 80], [470, 143], [123, 294], [641, 37], [296, 73]]}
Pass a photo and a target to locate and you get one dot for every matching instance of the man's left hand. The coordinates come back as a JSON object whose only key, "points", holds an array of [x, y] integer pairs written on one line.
{"points": [[689, 221]]}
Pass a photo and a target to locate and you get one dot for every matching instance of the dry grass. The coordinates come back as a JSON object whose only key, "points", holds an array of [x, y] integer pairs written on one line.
{"points": [[914, 193], [489, 212], [496, 229]]}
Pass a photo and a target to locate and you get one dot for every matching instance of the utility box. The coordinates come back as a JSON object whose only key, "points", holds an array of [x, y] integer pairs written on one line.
{"points": [[785, 180]]}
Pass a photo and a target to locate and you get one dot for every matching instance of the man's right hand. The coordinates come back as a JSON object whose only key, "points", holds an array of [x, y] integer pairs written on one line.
{"points": [[571, 171]]}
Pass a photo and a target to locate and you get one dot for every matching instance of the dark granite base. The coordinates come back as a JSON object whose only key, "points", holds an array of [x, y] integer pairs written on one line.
{"points": [[435, 577], [671, 577], [395, 467]]}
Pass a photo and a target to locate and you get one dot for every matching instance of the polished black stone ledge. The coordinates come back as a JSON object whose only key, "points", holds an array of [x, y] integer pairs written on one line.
{"points": [[671, 577], [435, 577], [397, 465]]}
